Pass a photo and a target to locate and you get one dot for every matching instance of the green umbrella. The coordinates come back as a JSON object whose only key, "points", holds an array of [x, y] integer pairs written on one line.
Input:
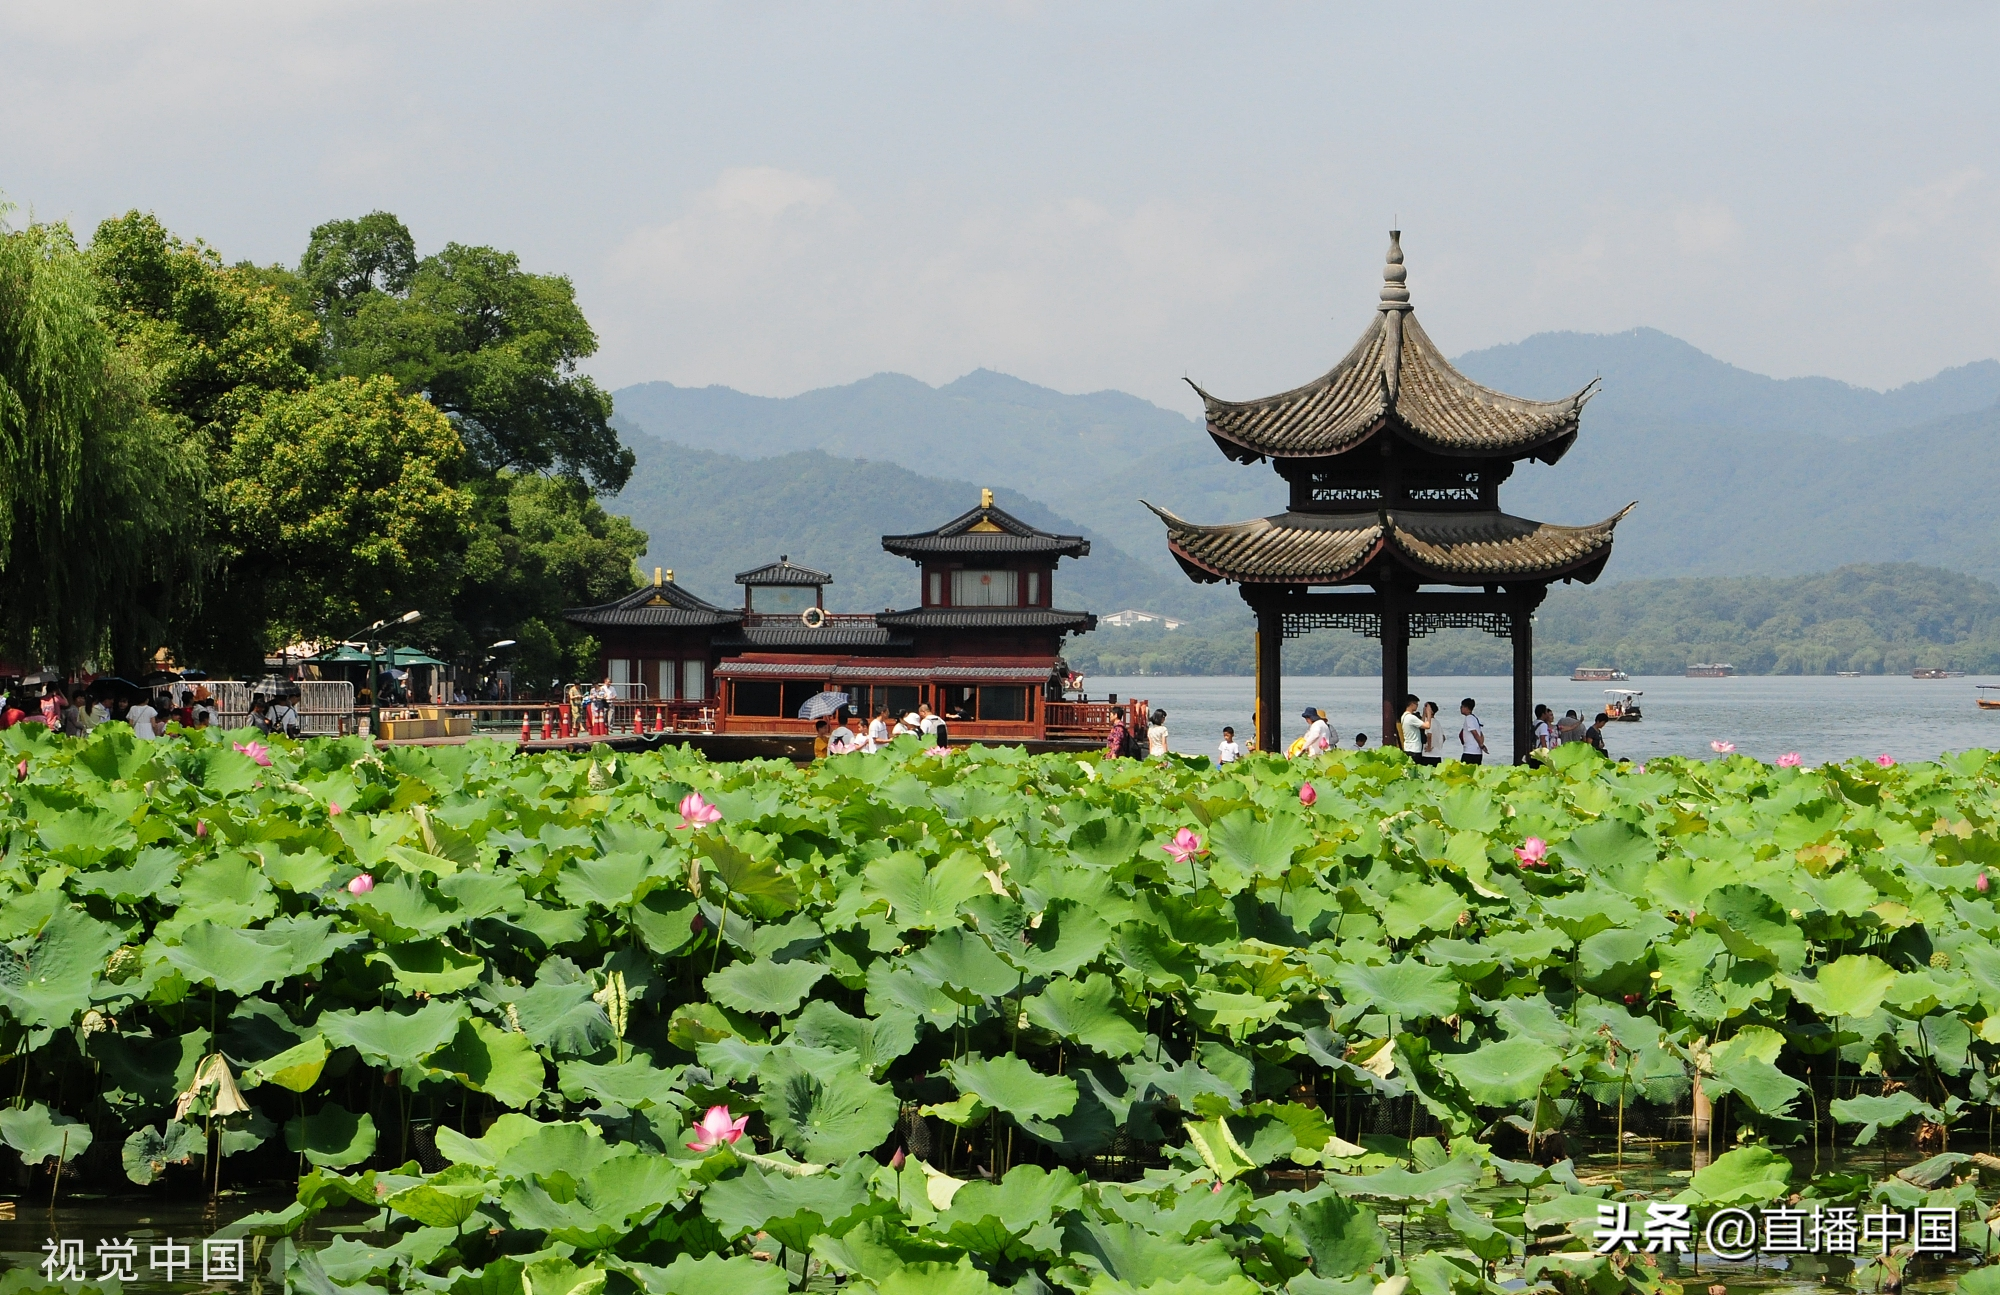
{"points": [[347, 654]]}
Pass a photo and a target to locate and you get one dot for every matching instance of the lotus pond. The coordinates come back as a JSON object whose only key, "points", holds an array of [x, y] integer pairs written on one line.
{"points": [[990, 1020]]}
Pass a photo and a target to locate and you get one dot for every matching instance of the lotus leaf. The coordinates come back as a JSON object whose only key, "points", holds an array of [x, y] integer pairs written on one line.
{"points": [[149, 1151], [605, 1203], [923, 899], [394, 1039], [563, 1016], [635, 1083], [1246, 846], [1878, 1113], [764, 988], [688, 1275], [1082, 1012], [1746, 1176], [296, 1068], [41, 1134], [961, 960], [825, 1115], [1500, 1074], [50, 978], [333, 1137], [874, 1043], [489, 1060], [430, 966], [1010, 1084], [1408, 990], [1342, 1236], [790, 1208], [1139, 1260]]}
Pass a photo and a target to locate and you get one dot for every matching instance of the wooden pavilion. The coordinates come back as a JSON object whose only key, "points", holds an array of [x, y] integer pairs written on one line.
{"points": [[1394, 460]]}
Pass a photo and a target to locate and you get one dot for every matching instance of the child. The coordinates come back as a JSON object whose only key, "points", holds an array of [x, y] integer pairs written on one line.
{"points": [[1228, 751], [1360, 740]]}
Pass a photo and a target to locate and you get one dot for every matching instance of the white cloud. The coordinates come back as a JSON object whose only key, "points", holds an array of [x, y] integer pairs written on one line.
{"points": [[1911, 229]]}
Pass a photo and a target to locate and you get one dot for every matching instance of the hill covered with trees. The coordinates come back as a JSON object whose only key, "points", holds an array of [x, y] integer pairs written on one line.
{"points": [[1879, 618]]}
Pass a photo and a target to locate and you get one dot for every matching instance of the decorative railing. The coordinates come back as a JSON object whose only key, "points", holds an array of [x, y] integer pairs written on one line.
{"points": [[766, 620]]}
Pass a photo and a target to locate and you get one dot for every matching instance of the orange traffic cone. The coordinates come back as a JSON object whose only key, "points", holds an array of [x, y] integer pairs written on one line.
{"points": [[545, 726], [524, 728]]}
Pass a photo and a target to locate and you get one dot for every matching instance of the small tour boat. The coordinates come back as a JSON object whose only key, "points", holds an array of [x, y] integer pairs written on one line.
{"points": [[1711, 670], [1598, 674], [1989, 696], [1623, 704], [1935, 672]]}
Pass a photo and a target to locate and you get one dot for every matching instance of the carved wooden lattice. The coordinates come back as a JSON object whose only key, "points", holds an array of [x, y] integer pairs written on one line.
{"points": [[1300, 624], [1498, 624]]}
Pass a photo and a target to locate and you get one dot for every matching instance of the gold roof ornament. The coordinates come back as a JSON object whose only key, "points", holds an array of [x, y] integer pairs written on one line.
{"points": [[986, 525]]}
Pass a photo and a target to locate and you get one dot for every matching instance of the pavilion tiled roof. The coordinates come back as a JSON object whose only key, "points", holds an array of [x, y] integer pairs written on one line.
{"points": [[986, 531], [1468, 548], [990, 618], [802, 638], [663, 604], [889, 669], [783, 572], [1395, 379]]}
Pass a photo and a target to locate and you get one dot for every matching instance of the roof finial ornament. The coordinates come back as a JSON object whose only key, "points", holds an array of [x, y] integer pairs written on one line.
{"points": [[985, 498], [1395, 296]]}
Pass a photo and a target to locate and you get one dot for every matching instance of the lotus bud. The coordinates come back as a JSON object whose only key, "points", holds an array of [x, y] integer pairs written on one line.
{"points": [[361, 885], [1307, 795], [1631, 1000], [333, 807], [200, 828], [1983, 885], [1886, 760], [21, 772], [896, 1161]]}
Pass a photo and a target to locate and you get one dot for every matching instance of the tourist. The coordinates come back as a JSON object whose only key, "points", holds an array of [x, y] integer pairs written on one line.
{"points": [[1318, 738], [1545, 729], [1569, 728], [1156, 736], [205, 712], [141, 718], [819, 739], [285, 717], [1360, 740], [841, 741], [259, 717], [72, 717], [52, 708], [1433, 734], [1471, 734], [932, 724], [909, 725], [1228, 751], [878, 730], [1114, 741], [1594, 735], [1412, 728]]}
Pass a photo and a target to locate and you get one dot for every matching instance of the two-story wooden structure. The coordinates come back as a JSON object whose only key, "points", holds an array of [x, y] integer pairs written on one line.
{"points": [[982, 646]]}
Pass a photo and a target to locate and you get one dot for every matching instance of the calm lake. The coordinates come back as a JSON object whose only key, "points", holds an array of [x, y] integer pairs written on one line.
{"points": [[1821, 717]]}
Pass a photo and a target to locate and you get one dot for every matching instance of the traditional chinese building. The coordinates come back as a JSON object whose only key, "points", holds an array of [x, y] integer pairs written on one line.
{"points": [[982, 645], [1394, 461]]}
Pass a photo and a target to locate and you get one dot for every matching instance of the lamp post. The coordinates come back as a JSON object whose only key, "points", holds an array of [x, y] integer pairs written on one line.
{"points": [[374, 675]]}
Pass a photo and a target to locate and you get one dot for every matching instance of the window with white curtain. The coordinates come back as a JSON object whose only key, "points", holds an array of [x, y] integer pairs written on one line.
{"points": [[693, 687], [937, 588], [1034, 589], [983, 589]]}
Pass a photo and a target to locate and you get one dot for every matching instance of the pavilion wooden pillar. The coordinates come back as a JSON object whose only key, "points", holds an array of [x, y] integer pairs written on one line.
{"points": [[1395, 622], [1522, 628], [1270, 665]]}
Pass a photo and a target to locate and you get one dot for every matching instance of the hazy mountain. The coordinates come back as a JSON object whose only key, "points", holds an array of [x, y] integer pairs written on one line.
{"points": [[709, 515], [1735, 473]]}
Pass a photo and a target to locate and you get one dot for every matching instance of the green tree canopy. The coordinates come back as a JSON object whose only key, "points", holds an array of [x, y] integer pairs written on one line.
{"points": [[494, 346], [341, 496]]}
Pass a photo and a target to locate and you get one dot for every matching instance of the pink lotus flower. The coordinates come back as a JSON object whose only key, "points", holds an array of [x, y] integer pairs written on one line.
{"points": [[1886, 760], [1722, 748], [361, 885], [256, 751], [896, 1161], [716, 1129], [696, 812], [333, 807], [200, 828], [1533, 852], [1185, 846], [1215, 1187], [1982, 885], [1789, 760], [1307, 795]]}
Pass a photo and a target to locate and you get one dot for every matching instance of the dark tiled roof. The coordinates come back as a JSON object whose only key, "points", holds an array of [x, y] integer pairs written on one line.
{"points": [[1394, 378], [994, 618], [986, 531], [875, 669], [783, 572], [665, 605], [800, 639], [1338, 548]]}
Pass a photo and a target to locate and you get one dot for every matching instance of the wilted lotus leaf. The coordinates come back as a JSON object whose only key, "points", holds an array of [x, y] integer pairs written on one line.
{"points": [[149, 1151]]}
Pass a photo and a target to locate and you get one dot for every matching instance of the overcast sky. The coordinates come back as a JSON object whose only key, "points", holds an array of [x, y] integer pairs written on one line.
{"points": [[1085, 195]]}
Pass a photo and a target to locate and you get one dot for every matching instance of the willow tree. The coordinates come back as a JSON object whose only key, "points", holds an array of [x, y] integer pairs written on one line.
{"points": [[100, 523]]}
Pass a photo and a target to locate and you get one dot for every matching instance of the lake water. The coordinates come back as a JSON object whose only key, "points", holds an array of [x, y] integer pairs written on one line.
{"points": [[1821, 717]]}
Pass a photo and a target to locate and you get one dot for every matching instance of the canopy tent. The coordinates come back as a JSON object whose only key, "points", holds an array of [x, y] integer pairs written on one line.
{"points": [[346, 654]]}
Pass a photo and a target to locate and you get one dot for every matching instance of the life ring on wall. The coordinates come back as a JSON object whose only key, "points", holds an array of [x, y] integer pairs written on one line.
{"points": [[812, 618]]}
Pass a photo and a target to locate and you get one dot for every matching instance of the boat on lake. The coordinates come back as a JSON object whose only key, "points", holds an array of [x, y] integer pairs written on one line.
{"points": [[1711, 670], [1989, 696], [1935, 672], [1598, 674], [1623, 704]]}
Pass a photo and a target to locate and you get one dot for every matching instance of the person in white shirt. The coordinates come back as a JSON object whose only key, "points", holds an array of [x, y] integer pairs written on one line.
{"points": [[909, 724], [1156, 736], [285, 717], [1411, 730], [842, 741], [1319, 736], [878, 731], [932, 724], [1545, 731], [1228, 751], [1471, 734], [141, 718]]}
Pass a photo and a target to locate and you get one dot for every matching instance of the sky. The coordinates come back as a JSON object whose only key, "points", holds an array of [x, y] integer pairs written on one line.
{"points": [[1087, 196]]}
